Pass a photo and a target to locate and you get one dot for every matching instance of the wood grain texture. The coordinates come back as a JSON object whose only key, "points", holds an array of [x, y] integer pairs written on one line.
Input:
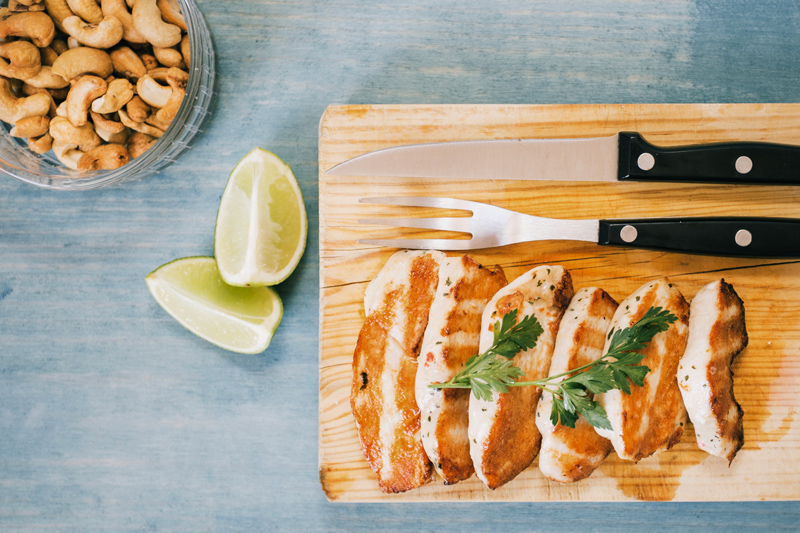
{"points": [[767, 381], [114, 418]]}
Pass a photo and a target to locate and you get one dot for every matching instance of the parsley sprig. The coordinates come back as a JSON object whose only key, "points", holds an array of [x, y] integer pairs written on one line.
{"points": [[487, 373]]}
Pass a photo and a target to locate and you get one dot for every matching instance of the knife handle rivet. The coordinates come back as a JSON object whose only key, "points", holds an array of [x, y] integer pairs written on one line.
{"points": [[743, 238], [646, 161], [629, 233], [744, 164]]}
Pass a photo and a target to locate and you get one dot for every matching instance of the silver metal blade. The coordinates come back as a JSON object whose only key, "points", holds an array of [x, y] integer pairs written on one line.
{"points": [[593, 159]]}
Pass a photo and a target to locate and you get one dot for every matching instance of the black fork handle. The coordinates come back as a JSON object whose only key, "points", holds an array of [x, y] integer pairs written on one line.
{"points": [[741, 162], [746, 237]]}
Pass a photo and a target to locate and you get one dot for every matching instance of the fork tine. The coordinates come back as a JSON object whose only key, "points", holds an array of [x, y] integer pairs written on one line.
{"points": [[423, 201], [454, 245], [462, 224]]}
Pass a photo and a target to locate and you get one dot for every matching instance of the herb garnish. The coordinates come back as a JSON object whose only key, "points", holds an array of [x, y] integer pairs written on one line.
{"points": [[485, 373]]}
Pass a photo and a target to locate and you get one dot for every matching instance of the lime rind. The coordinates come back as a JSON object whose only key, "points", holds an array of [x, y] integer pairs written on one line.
{"points": [[242, 245], [222, 315]]}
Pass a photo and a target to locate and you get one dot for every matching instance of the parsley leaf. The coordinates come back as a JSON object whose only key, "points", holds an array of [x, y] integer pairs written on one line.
{"points": [[510, 339], [486, 374]]}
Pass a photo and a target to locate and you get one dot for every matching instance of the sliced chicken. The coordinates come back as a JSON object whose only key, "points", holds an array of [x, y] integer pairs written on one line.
{"points": [[571, 454], [451, 338], [396, 303], [717, 334], [503, 436], [651, 418]]}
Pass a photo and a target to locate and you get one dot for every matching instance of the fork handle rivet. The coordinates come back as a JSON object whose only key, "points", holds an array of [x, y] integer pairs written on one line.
{"points": [[743, 238], [628, 233], [743, 165]]}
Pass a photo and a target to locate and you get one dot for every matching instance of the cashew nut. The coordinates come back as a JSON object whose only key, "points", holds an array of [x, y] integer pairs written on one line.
{"points": [[48, 55], [24, 5], [109, 130], [159, 74], [83, 60], [139, 143], [153, 92], [127, 63], [186, 51], [137, 110], [30, 90], [41, 145], [36, 26], [59, 94], [139, 126], [147, 20], [177, 80], [105, 157], [58, 10], [88, 10], [25, 60], [72, 42], [61, 110], [169, 57], [80, 97], [118, 8], [67, 154], [13, 109], [84, 137], [31, 127], [150, 62], [112, 137], [171, 12], [154, 121], [59, 46], [47, 79], [104, 34], [106, 124], [119, 93]]}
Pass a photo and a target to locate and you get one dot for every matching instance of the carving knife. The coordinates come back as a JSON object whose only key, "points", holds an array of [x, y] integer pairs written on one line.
{"points": [[622, 157]]}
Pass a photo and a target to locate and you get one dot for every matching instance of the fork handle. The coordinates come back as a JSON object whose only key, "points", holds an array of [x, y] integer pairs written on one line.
{"points": [[740, 162], [762, 237]]}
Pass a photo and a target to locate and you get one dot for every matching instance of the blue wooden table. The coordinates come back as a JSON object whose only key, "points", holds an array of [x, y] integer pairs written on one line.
{"points": [[113, 417]]}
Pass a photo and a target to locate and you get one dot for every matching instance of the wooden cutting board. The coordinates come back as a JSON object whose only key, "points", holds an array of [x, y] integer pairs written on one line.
{"points": [[767, 382]]}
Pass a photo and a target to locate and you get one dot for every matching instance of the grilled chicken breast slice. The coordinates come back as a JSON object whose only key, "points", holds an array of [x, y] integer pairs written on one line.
{"points": [[571, 454], [450, 339], [651, 418], [396, 303], [503, 436], [717, 333]]}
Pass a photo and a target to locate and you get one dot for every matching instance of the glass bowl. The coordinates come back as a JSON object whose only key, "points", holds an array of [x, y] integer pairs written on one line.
{"points": [[17, 161]]}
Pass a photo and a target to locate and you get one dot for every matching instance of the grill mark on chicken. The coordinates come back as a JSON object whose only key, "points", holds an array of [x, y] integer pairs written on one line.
{"points": [[571, 454], [504, 439], [652, 417], [382, 397], [450, 340], [717, 334]]}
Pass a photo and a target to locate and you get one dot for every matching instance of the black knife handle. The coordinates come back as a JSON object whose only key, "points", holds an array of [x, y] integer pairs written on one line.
{"points": [[740, 162], [761, 237]]}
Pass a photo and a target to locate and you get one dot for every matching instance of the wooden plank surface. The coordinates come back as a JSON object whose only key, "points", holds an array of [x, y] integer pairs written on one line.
{"points": [[767, 382], [115, 418]]}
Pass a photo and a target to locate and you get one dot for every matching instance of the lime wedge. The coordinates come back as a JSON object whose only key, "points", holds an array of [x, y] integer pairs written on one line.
{"points": [[261, 225], [234, 318]]}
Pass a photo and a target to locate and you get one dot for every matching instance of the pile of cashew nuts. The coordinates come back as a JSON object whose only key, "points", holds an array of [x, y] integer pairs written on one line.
{"points": [[98, 83]]}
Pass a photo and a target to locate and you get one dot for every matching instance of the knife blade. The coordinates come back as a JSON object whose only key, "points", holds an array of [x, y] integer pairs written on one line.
{"points": [[626, 156]]}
